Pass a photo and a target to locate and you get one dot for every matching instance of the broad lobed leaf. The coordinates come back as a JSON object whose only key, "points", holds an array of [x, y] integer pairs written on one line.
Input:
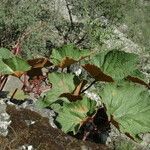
{"points": [[62, 81], [62, 84], [72, 115], [114, 64], [13, 65], [67, 55], [129, 106]]}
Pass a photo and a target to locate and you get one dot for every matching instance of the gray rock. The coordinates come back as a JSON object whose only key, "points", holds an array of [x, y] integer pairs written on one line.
{"points": [[146, 140], [4, 119], [26, 147], [48, 113], [12, 83], [120, 141]]}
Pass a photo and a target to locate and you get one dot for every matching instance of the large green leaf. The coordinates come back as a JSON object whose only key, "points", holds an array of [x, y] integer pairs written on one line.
{"points": [[67, 55], [64, 82], [5, 53], [62, 85], [72, 115], [14, 65], [115, 64], [128, 107], [5, 69]]}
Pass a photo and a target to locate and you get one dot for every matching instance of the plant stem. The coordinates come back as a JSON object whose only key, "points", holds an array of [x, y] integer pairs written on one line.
{"points": [[70, 15], [12, 96], [3, 82], [89, 86]]}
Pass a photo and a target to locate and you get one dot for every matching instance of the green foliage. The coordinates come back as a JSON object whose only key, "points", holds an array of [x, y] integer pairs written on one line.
{"points": [[128, 107], [19, 95], [10, 64], [16, 64], [124, 145], [67, 55], [24, 22], [34, 23], [72, 115], [63, 82], [111, 9], [62, 86], [126, 102], [98, 32], [124, 93], [116, 64], [39, 26], [132, 13]]}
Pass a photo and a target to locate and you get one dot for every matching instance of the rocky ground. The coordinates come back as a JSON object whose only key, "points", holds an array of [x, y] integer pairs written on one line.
{"points": [[28, 130]]}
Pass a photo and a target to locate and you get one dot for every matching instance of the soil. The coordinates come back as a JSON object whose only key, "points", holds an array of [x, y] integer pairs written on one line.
{"points": [[30, 128]]}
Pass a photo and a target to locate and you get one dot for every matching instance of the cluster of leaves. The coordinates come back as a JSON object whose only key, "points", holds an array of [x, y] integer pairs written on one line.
{"points": [[124, 94], [28, 71]]}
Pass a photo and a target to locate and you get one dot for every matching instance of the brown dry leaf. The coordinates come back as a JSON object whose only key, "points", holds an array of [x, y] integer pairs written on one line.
{"points": [[66, 62], [137, 80], [79, 88], [71, 97], [18, 73], [39, 62], [96, 73]]}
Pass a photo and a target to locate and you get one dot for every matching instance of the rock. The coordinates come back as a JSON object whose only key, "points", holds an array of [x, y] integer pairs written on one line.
{"points": [[61, 7], [12, 83], [4, 119], [146, 140], [40, 135], [120, 141], [145, 65], [44, 112], [26, 147]]}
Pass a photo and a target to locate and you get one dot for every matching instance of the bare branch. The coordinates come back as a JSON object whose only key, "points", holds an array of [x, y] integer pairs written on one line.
{"points": [[70, 15], [81, 39]]}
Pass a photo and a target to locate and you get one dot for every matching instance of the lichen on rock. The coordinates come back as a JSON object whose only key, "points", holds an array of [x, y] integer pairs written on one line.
{"points": [[4, 119]]}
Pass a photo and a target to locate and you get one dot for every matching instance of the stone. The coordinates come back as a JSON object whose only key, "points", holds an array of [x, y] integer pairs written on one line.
{"points": [[12, 84], [41, 135], [4, 119]]}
